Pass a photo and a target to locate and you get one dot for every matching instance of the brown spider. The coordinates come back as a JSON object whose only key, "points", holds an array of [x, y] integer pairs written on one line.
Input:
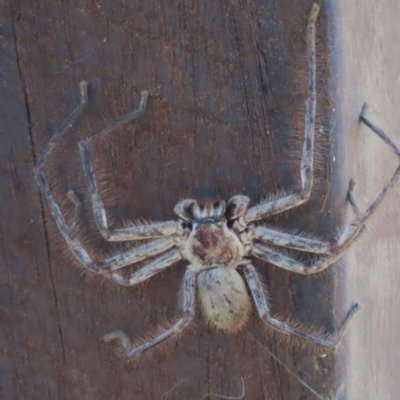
{"points": [[215, 238]]}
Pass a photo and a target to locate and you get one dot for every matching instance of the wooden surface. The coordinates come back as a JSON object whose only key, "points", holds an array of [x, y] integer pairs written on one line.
{"points": [[368, 70], [227, 90]]}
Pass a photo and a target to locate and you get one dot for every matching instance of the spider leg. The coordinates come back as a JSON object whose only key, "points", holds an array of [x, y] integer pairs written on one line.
{"points": [[377, 130], [268, 235], [352, 199], [300, 267], [178, 327], [265, 314], [395, 177], [348, 236], [160, 263], [263, 210], [83, 85], [112, 263], [134, 232]]}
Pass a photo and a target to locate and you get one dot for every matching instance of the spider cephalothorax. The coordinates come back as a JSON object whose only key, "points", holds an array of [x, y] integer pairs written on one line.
{"points": [[211, 242], [216, 239]]}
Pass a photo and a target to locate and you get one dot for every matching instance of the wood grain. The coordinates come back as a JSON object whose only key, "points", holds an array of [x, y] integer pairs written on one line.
{"points": [[227, 83]]}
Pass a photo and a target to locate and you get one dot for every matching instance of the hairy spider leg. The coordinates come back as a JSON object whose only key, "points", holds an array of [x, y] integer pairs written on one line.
{"points": [[112, 263], [290, 264], [270, 235], [134, 232], [265, 314], [178, 327], [162, 262], [263, 210], [83, 85], [335, 249]]}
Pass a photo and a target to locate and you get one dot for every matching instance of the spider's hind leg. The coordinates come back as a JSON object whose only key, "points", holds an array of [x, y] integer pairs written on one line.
{"points": [[178, 327], [265, 314]]}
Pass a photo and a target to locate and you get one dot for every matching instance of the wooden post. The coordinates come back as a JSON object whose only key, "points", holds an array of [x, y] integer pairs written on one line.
{"points": [[368, 71], [227, 83]]}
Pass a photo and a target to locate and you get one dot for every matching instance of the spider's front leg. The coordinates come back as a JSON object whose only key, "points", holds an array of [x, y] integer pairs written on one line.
{"points": [[266, 209], [334, 250], [189, 286], [134, 232], [110, 264]]}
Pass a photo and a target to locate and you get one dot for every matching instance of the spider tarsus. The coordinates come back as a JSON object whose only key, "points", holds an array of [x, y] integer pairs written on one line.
{"points": [[120, 335], [350, 315], [143, 99], [351, 198], [379, 132], [363, 111], [355, 308], [84, 91], [313, 14], [123, 341], [352, 185]]}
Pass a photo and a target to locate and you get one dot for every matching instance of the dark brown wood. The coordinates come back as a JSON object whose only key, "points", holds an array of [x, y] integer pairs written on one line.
{"points": [[227, 83]]}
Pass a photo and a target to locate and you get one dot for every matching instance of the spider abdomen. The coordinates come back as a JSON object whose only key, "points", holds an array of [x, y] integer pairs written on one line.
{"points": [[224, 299]]}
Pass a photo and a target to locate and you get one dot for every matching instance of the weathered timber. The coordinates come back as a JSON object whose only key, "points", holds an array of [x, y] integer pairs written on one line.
{"points": [[227, 84]]}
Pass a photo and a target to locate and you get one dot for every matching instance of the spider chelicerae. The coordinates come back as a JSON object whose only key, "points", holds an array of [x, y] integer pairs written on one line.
{"points": [[217, 239]]}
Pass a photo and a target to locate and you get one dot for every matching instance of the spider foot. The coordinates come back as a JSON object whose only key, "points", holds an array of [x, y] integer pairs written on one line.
{"points": [[351, 198], [363, 111], [144, 95], [378, 130], [84, 91], [312, 18], [122, 337], [352, 185], [345, 324]]}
